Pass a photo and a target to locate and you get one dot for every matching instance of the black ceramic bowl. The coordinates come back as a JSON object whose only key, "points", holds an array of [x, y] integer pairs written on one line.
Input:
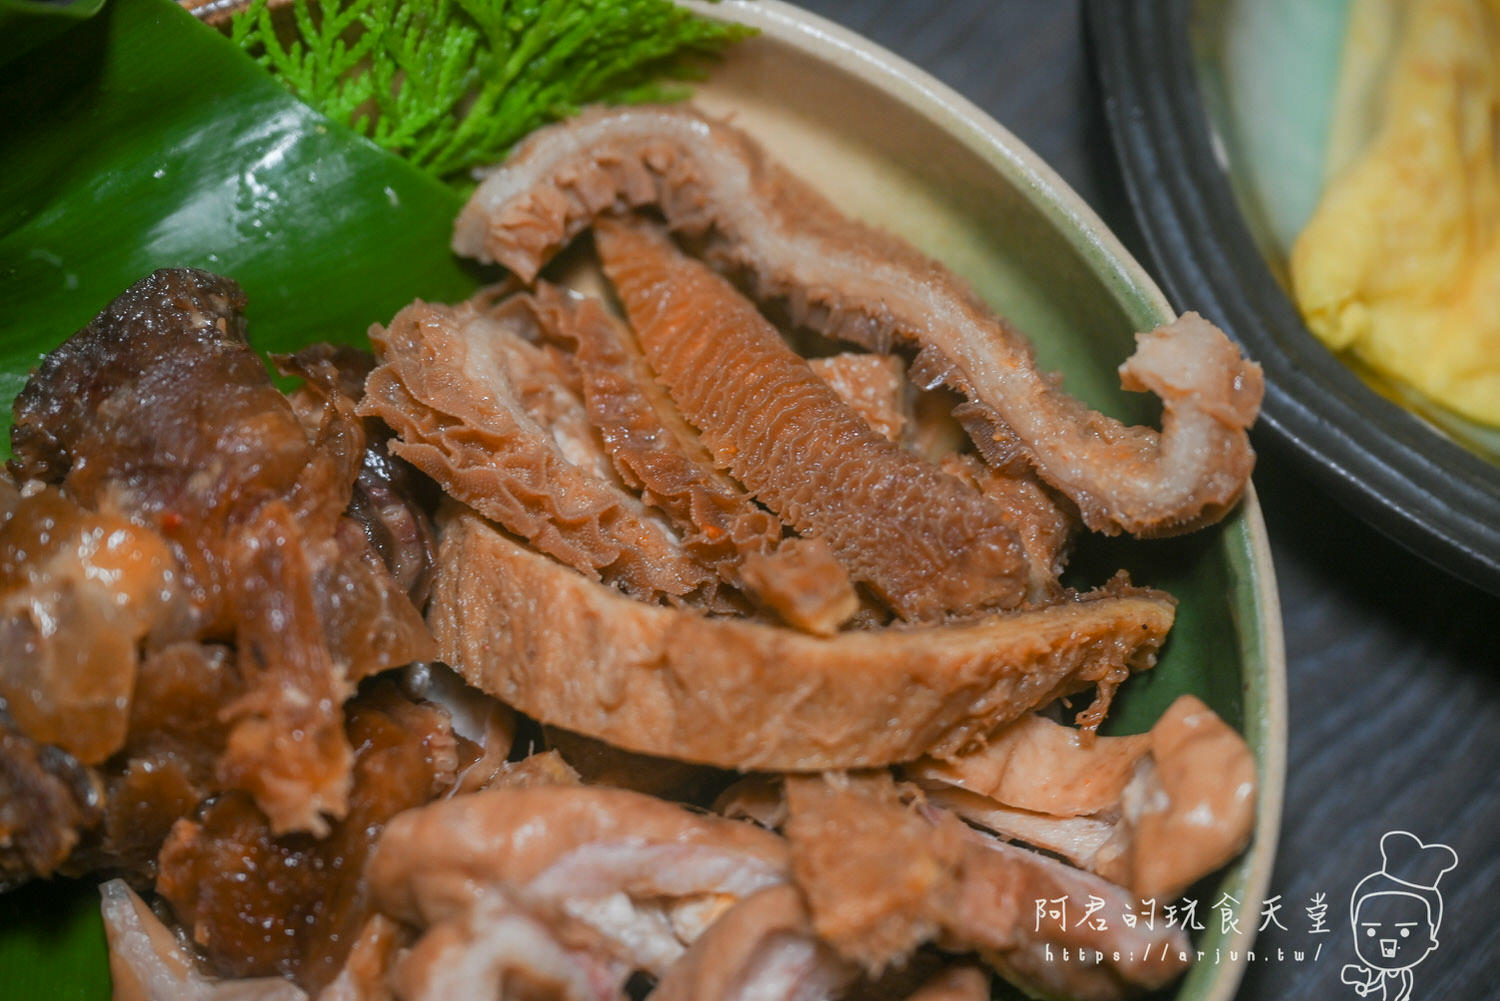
{"points": [[1387, 465]]}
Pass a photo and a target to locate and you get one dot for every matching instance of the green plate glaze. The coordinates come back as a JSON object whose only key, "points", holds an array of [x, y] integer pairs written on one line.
{"points": [[891, 145]]}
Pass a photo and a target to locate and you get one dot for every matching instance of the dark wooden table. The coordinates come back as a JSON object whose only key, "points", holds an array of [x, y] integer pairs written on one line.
{"points": [[1394, 668]]}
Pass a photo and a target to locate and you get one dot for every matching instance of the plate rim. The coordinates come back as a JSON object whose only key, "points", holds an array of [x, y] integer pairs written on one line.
{"points": [[1391, 469], [1264, 691]]}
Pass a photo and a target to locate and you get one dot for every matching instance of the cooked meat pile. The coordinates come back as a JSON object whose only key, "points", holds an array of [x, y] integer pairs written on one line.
{"points": [[739, 662]]}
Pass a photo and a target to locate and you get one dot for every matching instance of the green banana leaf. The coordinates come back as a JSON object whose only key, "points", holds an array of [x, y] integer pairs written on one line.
{"points": [[140, 139], [25, 24]]}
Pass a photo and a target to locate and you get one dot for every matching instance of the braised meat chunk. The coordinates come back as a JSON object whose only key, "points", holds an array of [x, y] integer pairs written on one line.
{"points": [[187, 602]]}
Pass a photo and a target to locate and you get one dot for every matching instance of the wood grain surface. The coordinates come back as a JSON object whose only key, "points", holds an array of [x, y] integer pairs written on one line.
{"points": [[1394, 686]]}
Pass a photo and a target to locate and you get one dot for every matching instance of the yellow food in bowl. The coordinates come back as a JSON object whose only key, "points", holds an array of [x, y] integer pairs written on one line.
{"points": [[1400, 264]]}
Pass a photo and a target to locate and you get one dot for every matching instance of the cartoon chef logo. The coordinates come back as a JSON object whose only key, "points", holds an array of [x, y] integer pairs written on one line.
{"points": [[1396, 913]]}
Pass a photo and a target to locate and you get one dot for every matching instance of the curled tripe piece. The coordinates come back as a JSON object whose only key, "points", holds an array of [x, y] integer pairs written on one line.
{"points": [[851, 281]]}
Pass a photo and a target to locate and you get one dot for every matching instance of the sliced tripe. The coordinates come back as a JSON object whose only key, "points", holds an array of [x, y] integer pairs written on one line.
{"points": [[875, 385], [652, 448], [468, 397], [1044, 523], [802, 581], [748, 695], [857, 283], [925, 542], [655, 451]]}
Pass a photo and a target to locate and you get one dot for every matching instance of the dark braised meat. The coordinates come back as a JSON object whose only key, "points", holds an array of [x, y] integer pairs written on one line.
{"points": [[391, 499], [46, 799], [159, 411], [258, 904], [79, 592], [168, 764], [185, 603]]}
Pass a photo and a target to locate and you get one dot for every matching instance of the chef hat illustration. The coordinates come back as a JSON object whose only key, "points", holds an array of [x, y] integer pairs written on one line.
{"points": [[1409, 866]]}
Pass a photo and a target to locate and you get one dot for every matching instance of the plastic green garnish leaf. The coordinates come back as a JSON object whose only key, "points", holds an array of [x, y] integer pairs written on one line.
{"points": [[452, 84]]}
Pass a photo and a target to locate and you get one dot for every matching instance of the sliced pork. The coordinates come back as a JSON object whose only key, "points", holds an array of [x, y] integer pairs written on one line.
{"points": [[741, 694], [711, 181], [1042, 766], [614, 871], [928, 544], [1194, 810]]}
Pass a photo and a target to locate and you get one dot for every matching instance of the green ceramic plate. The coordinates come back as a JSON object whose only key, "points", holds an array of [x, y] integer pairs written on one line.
{"points": [[892, 146]]}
